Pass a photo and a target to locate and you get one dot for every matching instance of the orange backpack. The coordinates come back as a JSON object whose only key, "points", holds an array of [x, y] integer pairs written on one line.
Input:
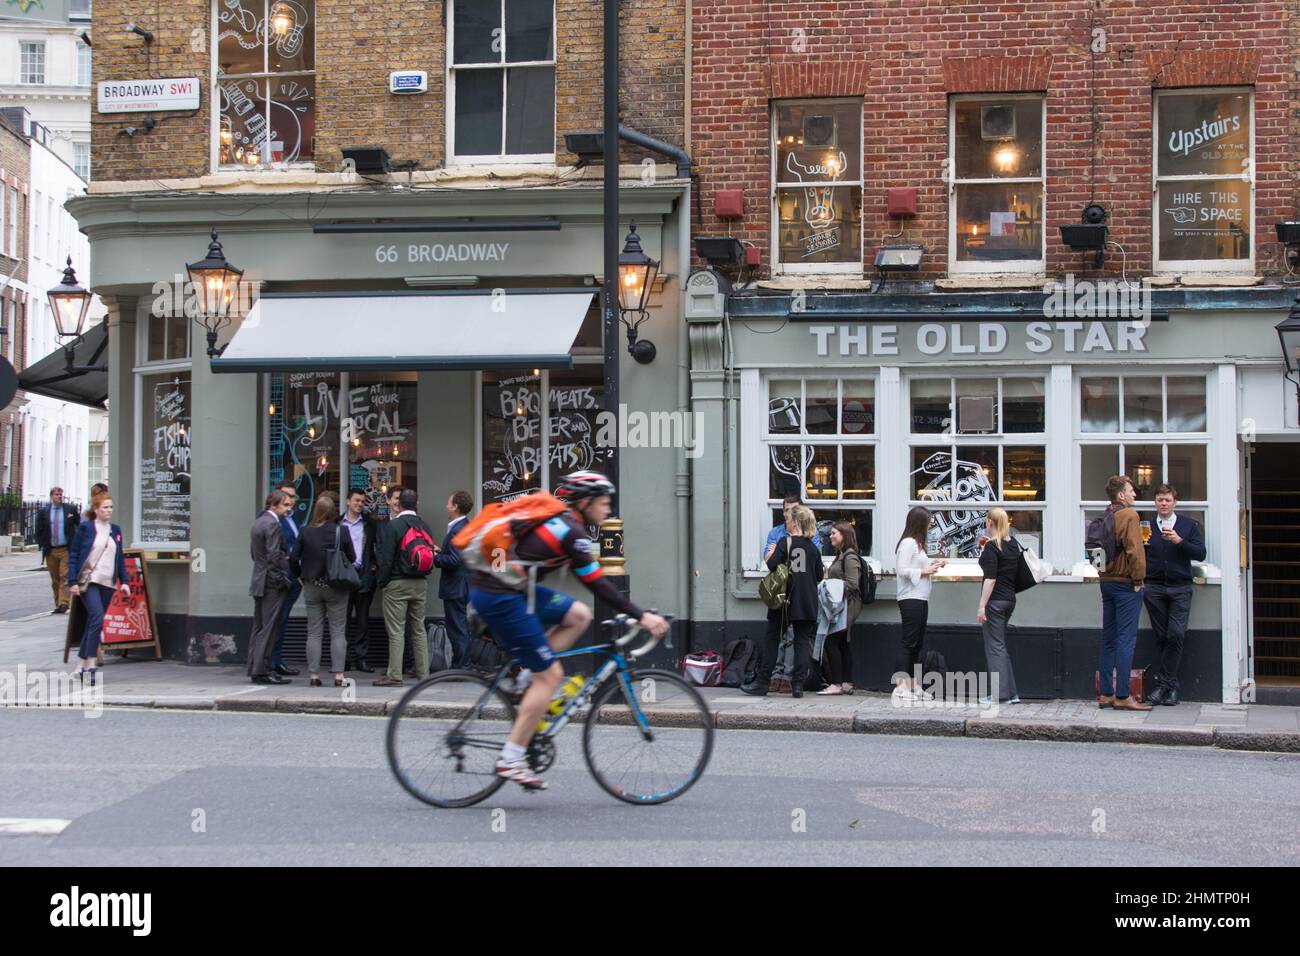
{"points": [[487, 542]]}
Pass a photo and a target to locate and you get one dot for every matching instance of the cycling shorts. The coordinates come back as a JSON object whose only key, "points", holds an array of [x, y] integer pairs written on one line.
{"points": [[523, 635]]}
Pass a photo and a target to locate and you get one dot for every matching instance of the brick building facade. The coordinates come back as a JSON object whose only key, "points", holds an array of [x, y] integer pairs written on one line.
{"points": [[15, 176]]}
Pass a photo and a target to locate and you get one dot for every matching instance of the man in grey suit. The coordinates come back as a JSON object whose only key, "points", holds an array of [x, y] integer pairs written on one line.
{"points": [[269, 587]]}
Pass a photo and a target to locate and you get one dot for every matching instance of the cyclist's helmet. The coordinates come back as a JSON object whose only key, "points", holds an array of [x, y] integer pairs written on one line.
{"points": [[583, 484]]}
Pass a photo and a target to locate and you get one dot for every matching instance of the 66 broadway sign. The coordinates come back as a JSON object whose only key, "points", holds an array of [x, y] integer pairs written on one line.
{"points": [[140, 96]]}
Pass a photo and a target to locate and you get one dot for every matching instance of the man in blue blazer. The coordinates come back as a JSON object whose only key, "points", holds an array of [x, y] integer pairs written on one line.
{"points": [[1175, 543], [453, 583], [289, 528]]}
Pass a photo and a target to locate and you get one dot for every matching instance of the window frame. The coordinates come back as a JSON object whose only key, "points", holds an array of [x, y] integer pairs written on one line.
{"points": [[1159, 265], [27, 48], [449, 106], [779, 266], [85, 58], [215, 94], [1030, 266], [77, 156], [142, 369]]}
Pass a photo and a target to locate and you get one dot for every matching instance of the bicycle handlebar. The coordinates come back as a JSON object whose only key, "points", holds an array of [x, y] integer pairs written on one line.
{"points": [[633, 628]]}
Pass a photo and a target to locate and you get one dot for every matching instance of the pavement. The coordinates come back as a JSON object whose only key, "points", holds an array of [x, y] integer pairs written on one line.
{"points": [[35, 642]]}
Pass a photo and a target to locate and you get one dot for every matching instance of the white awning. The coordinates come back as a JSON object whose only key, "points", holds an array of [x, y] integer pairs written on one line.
{"points": [[299, 332]]}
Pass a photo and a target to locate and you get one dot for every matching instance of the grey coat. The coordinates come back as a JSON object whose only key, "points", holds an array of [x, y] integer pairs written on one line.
{"points": [[270, 560]]}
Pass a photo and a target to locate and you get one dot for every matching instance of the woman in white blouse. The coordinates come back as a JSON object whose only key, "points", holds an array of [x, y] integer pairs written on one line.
{"points": [[914, 570], [95, 568]]}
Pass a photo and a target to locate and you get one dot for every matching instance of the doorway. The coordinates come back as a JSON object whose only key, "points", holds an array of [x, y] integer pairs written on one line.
{"points": [[1275, 563]]}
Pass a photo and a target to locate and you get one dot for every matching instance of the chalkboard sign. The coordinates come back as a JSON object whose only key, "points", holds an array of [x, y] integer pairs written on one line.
{"points": [[128, 620], [165, 459]]}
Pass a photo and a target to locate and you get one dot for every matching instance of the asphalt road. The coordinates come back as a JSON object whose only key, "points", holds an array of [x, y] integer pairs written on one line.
{"points": [[24, 591], [207, 788]]}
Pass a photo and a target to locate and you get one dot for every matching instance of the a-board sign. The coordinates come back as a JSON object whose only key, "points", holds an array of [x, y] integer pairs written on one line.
{"points": [[128, 620]]}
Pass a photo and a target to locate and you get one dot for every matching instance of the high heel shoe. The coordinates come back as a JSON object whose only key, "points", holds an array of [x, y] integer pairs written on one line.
{"points": [[342, 682], [315, 682]]}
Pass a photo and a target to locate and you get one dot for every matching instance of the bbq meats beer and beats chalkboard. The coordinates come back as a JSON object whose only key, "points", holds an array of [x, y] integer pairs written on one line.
{"points": [[128, 620]]}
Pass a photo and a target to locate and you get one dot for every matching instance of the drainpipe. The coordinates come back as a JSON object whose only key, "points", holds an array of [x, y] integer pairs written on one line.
{"points": [[627, 134]]}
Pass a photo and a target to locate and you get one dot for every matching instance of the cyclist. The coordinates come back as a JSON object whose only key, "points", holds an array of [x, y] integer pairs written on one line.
{"points": [[558, 620]]}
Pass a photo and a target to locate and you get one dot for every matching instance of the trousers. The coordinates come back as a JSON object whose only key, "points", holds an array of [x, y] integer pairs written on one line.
{"points": [[266, 623], [1168, 606]]}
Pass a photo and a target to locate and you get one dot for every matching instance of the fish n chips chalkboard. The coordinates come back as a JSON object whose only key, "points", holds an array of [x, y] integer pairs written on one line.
{"points": [[128, 620]]}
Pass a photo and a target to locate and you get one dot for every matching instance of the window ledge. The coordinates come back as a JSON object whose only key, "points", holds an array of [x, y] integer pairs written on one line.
{"points": [[814, 280], [1219, 279], [1014, 280]]}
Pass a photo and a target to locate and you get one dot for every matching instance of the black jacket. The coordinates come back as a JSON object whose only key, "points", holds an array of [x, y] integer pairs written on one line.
{"points": [[388, 557], [453, 583], [309, 550], [70, 522], [371, 530], [803, 584], [1172, 563]]}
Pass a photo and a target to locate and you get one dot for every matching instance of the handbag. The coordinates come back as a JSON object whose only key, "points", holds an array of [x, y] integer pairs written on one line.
{"points": [[340, 573], [703, 669], [88, 566], [774, 590], [1030, 569]]}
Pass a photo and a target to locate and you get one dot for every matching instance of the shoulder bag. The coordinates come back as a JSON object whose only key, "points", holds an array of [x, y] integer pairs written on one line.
{"points": [[774, 590], [340, 573]]}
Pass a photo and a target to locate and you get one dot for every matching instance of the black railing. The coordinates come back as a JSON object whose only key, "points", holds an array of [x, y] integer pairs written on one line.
{"points": [[18, 517]]}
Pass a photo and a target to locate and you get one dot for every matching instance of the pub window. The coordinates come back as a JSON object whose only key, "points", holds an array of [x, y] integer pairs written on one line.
{"points": [[821, 445], [501, 81], [996, 200], [164, 397], [1205, 179], [978, 443], [817, 152], [1149, 427], [266, 81]]}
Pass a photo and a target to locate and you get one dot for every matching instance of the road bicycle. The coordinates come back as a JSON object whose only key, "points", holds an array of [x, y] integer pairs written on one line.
{"points": [[647, 734]]}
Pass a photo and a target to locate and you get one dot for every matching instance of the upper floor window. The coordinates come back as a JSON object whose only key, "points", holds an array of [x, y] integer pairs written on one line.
{"points": [[501, 81], [996, 206], [1205, 180], [79, 9], [817, 156], [83, 65], [266, 76], [31, 62], [81, 160]]}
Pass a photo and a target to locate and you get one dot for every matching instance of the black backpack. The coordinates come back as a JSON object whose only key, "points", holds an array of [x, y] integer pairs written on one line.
{"points": [[739, 663], [1099, 540], [867, 580]]}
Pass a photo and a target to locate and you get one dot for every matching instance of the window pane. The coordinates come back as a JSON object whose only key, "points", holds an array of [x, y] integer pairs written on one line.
{"points": [[783, 415], [998, 138], [475, 21], [1027, 526], [785, 474], [819, 142], [977, 405], [1024, 474], [165, 461], [820, 224], [478, 112], [291, 31], [1023, 405], [156, 349], [997, 223], [1143, 465], [1207, 219], [932, 474], [178, 337], [1204, 133], [530, 110], [859, 471], [576, 399], [512, 435], [241, 38], [858, 518], [1097, 464], [1187, 472], [1142, 405], [1100, 405], [931, 405], [528, 31], [822, 478], [1186, 403], [956, 531], [858, 411], [977, 473], [382, 413], [821, 400], [304, 435]]}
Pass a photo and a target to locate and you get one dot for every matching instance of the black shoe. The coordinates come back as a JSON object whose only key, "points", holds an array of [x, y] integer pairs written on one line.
{"points": [[61, 609], [754, 690], [796, 693], [284, 671], [1170, 697], [1157, 696], [363, 667], [271, 679]]}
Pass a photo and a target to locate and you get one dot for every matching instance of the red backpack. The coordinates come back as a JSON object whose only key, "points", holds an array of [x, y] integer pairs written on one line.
{"points": [[417, 552]]}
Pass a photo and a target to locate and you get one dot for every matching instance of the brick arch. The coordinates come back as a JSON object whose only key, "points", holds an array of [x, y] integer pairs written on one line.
{"points": [[1173, 68], [844, 77], [996, 74]]}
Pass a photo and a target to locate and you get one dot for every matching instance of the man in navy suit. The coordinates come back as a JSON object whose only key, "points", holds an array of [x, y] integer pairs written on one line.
{"points": [[1175, 543], [289, 528], [453, 583]]}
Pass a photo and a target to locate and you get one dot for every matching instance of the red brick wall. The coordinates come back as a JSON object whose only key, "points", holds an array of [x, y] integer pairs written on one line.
{"points": [[914, 53]]}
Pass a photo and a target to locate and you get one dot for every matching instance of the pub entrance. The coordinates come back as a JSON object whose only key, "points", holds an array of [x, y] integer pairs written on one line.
{"points": [[1275, 567]]}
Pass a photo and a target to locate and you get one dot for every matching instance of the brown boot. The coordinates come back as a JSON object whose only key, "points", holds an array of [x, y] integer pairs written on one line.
{"points": [[1128, 703], [1104, 701]]}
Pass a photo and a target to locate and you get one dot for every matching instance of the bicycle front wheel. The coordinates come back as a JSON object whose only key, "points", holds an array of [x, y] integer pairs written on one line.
{"points": [[653, 748], [444, 737]]}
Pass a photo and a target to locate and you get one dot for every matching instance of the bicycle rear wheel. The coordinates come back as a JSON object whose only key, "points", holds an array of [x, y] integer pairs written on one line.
{"points": [[655, 761], [444, 737]]}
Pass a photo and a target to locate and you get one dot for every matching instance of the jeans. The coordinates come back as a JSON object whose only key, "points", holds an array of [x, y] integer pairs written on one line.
{"points": [[1168, 607], [997, 614], [914, 614], [1120, 608], [277, 643], [95, 600], [803, 640]]}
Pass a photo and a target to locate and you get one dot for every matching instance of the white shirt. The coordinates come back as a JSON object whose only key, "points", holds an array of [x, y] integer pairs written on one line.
{"points": [[1163, 523], [911, 561]]}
